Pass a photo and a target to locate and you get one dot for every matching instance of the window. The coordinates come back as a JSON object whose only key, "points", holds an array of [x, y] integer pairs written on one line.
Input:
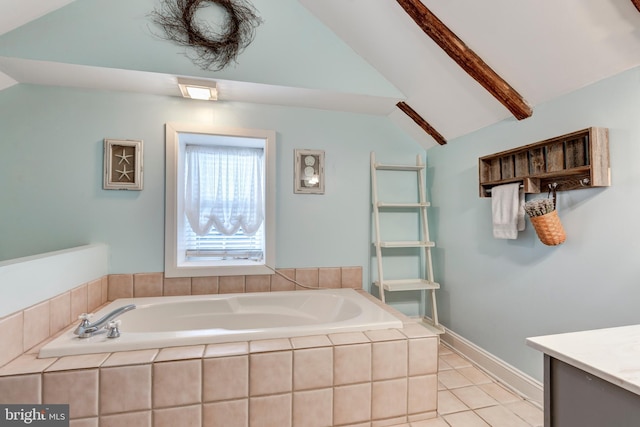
{"points": [[220, 201]]}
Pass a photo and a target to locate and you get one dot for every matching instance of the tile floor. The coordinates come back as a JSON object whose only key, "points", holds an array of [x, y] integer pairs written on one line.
{"points": [[467, 397]]}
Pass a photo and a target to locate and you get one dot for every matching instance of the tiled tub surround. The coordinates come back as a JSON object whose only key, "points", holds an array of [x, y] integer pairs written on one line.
{"points": [[21, 331], [373, 378]]}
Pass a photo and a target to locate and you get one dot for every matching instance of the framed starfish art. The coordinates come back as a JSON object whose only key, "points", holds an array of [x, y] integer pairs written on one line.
{"points": [[122, 164]]}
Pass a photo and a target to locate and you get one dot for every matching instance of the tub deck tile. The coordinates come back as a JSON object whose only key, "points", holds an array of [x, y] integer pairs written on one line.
{"points": [[416, 330], [83, 361], [26, 364], [136, 357], [345, 338], [311, 341], [262, 346], [226, 349], [180, 353], [385, 335]]}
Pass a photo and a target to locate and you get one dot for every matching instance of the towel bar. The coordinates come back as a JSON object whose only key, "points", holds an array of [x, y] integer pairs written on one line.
{"points": [[488, 190]]}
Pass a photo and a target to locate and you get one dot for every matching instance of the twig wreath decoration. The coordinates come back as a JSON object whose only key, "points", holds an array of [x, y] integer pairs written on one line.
{"points": [[213, 48]]}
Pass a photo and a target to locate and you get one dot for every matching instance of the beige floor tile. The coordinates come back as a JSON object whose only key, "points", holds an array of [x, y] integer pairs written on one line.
{"points": [[443, 349], [455, 361], [528, 412], [442, 365], [474, 397], [449, 403], [499, 393], [475, 375], [434, 422], [453, 379], [465, 419], [499, 416]]}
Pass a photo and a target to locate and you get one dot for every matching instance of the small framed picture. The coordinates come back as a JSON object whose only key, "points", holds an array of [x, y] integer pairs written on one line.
{"points": [[122, 164], [309, 172]]}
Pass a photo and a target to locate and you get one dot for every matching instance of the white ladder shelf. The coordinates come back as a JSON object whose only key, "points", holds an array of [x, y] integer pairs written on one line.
{"points": [[425, 283]]}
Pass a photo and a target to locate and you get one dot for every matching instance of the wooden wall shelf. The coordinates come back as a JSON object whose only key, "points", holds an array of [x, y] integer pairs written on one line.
{"points": [[572, 161]]}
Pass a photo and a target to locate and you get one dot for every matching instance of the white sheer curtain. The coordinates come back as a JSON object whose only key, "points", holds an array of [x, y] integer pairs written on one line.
{"points": [[224, 189]]}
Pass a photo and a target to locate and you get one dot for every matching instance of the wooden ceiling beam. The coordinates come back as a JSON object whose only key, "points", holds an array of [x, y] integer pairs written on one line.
{"points": [[467, 59], [421, 122], [636, 3]]}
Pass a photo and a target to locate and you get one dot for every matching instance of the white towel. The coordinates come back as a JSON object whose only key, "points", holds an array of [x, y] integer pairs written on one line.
{"points": [[507, 206]]}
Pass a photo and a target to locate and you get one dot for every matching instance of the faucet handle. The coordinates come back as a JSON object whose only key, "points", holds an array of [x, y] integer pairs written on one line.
{"points": [[113, 327], [84, 324], [84, 319]]}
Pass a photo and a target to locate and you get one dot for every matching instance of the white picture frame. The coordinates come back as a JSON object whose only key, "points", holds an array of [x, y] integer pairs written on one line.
{"points": [[123, 168], [308, 171]]}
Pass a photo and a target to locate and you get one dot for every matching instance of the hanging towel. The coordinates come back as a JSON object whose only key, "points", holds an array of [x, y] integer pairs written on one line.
{"points": [[507, 206]]}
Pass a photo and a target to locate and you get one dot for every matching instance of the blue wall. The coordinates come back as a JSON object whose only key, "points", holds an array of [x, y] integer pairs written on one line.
{"points": [[51, 175], [498, 292]]}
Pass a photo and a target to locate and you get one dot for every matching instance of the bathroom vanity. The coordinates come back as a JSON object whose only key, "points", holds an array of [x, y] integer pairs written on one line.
{"points": [[591, 378]]}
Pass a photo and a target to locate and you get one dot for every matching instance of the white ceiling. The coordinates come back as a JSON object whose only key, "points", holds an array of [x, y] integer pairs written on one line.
{"points": [[18, 12], [542, 49]]}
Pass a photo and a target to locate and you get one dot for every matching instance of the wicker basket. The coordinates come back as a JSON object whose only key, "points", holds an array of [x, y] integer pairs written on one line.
{"points": [[549, 228]]}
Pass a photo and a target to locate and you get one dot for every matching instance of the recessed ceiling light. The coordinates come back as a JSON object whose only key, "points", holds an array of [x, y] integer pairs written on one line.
{"points": [[198, 89]]}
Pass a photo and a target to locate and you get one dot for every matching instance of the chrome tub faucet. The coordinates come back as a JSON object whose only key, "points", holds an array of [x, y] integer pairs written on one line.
{"points": [[86, 329]]}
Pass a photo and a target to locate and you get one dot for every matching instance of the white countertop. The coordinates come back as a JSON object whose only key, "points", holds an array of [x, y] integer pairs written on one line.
{"points": [[612, 354]]}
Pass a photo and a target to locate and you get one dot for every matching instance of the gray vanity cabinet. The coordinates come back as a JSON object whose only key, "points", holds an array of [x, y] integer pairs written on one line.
{"points": [[575, 398]]}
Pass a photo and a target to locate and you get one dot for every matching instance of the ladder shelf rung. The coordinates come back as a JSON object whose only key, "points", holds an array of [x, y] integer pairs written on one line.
{"points": [[403, 205], [407, 244], [408, 285], [388, 167]]}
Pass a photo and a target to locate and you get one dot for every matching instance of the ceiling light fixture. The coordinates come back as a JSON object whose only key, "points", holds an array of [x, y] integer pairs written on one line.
{"points": [[198, 89]]}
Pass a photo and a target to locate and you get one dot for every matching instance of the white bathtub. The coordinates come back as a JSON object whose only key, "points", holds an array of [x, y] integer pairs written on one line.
{"points": [[159, 322]]}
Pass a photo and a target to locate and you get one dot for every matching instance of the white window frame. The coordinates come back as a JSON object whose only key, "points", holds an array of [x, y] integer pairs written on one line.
{"points": [[175, 264]]}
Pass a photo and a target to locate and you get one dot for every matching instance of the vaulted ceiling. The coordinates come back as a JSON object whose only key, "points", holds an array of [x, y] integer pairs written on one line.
{"points": [[497, 60]]}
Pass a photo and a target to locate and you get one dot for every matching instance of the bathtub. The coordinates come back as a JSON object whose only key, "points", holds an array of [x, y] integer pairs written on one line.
{"points": [[159, 322]]}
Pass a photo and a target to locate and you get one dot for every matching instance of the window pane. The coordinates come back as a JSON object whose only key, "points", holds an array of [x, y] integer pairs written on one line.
{"points": [[224, 200]]}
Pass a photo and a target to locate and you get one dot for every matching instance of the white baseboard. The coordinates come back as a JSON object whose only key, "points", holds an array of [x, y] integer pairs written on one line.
{"points": [[503, 372]]}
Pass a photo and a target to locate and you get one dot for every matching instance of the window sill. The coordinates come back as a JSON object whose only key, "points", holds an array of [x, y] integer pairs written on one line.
{"points": [[194, 269]]}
